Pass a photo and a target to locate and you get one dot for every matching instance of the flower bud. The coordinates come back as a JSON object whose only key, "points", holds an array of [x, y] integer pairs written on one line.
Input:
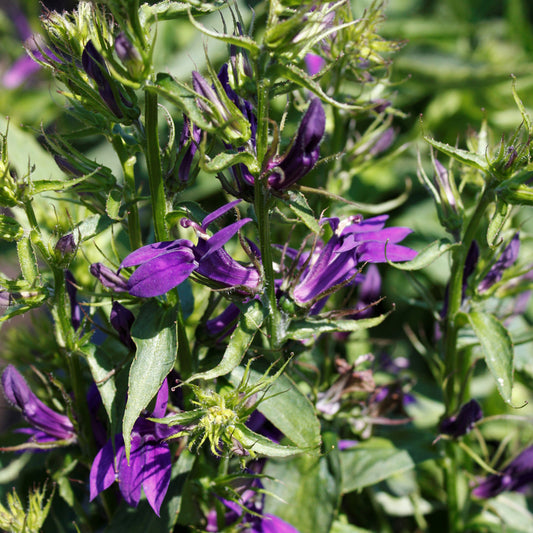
{"points": [[304, 151], [122, 319], [108, 278], [218, 108], [129, 55]]}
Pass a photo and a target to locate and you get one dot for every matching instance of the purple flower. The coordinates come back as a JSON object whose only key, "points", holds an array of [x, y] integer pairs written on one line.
{"points": [[462, 423], [108, 278], [506, 260], [48, 426], [150, 460], [22, 69], [514, 477], [164, 265], [355, 241], [304, 150]]}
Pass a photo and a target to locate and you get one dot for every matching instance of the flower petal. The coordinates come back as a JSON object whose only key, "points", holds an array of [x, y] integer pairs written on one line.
{"points": [[150, 251], [218, 213], [220, 238], [162, 273], [130, 476], [102, 473], [374, 252], [156, 473]]}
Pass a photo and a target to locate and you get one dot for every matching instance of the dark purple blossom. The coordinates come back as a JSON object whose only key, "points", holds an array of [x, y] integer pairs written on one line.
{"points": [[150, 460], [516, 476], [66, 244], [164, 265], [304, 150], [462, 423], [48, 426], [506, 260], [355, 241]]}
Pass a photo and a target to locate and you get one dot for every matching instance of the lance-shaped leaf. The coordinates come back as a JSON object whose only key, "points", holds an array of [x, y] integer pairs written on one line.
{"points": [[497, 348], [501, 214], [300, 330], [249, 323], [463, 156], [426, 256], [154, 334]]}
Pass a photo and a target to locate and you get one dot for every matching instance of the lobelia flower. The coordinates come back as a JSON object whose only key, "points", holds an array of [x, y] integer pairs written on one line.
{"points": [[190, 137], [355, 241], [164, 265], [462, 423], [514, 477], [150, 460], [314, 63], [48, 426]]}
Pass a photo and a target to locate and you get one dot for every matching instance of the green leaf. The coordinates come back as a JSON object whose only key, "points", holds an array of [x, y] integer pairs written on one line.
{"points": [[112, 206], [249, 323], [154, 334], [300, 330], [463, 156], [103, 362], [426, 256], [172, 10], [497, 348], [298, 205], [227, 159], [306, 491], [285, 407], [371, 462], [91, 227], [39, 186], [259, 444]]}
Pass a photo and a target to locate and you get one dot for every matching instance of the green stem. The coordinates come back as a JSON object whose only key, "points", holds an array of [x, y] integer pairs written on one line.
{"points": [[455, 296], [128, 162], [262, 211], [153, 161], [456, 370]]}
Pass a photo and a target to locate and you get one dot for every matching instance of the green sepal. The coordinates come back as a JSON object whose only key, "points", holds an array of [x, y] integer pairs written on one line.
{"points": [[257, 444]]}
